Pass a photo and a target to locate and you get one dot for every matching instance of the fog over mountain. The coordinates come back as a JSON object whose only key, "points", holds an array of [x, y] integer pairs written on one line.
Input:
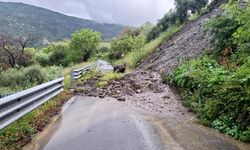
{"points": [[126, 12]]}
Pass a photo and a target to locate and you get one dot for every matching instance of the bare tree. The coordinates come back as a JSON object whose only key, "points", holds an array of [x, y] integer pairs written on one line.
{"points": [[12, 50]]}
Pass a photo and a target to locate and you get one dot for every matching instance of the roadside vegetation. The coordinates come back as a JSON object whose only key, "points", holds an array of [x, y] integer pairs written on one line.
{"points": [[216, 86], [20, 133]]}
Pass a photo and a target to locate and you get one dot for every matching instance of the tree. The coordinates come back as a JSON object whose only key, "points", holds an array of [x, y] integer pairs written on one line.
{"points": [[177, 16], [12, 50], [123, 45], [83, 44]]}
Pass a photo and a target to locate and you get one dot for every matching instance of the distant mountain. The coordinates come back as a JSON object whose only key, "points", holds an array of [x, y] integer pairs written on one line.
{"points": [[45, 25]]}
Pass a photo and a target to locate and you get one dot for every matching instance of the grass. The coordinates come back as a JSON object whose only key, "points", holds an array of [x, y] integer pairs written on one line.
{"points": [[90, 74], [105, 44], [108, 77], [194, 17], [20, 133], [134, 58]]}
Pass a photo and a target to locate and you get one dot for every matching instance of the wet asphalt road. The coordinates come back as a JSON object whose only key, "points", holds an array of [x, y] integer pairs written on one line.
{"points": [[94, 124]]}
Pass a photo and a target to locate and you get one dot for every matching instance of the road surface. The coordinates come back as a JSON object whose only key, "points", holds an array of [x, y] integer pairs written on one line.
{"points": [[106, 124]]}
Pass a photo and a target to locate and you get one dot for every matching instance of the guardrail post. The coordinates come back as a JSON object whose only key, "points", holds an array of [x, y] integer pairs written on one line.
{"points": [[71, 73]]}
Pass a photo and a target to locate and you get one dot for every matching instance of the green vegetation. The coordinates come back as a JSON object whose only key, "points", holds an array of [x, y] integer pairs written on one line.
{"points": [[217, 85], [83, 45], [21, 19], [135, 57], [17, 79], [20, 133], [110, 76], [177, 16], [125, 44]]}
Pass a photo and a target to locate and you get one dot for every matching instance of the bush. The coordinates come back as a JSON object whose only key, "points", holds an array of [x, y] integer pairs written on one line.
{"points": [[83, 45], [124, 45], [42, 59], [59, 56], [231, 31], [34, 75], [222, 28], [220, 97], [14, 79], [134, 58]]}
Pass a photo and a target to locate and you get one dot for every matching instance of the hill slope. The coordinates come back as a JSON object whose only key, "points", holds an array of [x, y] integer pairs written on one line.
{"points": [[190, 41], [46, 25]]}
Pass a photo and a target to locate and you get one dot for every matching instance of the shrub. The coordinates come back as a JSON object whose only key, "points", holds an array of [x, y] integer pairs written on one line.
{"points": [[134, 58], [122, 46], [220, 97], [58, 56], [14, 79], [83, 45], [42, 59], [34, 75], [222, 28]]}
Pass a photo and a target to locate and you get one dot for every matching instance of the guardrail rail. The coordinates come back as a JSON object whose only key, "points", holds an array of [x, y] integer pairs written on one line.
{"points": [[17, 105], [76, 74]]}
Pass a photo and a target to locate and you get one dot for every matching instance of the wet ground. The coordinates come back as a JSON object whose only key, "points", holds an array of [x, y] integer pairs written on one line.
{"points": [[89, 123]]}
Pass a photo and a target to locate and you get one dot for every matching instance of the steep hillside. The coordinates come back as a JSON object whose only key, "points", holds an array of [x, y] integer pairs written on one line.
{"points": [[189, 42], [46, 25]]}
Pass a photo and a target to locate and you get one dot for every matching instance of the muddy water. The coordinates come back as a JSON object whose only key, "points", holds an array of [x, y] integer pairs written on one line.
{"points": [[93, 124]]}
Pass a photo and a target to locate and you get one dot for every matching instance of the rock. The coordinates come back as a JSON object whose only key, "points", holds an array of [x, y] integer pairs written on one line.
{"points": [[120, 68], [72, 90], [166, 97], [101, 96], [138, 91], [121, 99]]}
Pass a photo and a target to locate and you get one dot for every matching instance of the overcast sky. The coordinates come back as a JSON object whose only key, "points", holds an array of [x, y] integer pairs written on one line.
{"points": [[126, 12]]}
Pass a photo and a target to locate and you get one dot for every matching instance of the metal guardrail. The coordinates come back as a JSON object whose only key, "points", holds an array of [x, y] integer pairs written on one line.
{"points": [[5, 95], [76, 74], [17, 105], [103, 66]]}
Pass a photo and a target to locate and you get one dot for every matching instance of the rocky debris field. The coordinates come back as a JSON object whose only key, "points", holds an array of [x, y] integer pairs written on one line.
{"points": [[141, 89]]}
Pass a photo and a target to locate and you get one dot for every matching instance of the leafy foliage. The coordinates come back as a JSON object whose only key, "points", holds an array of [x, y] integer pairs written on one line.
{"points": [[123, 45], [135, 57], [177, 16], [83, 45], [14, 79], [220, 97], [232, 30]]}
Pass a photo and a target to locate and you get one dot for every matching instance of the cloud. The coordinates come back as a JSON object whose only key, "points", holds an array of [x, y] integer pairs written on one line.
{"points": [[127, 12]]}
